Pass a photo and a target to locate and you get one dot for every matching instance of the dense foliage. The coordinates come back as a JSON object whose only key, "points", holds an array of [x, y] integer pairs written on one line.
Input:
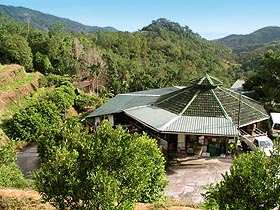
{"points": [[108, 170], [10, 174], [161, 54], [265, 81], [249, 48], [252, 184], [30, 123]]}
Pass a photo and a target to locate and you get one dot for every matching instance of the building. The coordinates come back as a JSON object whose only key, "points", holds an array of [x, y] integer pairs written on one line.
{"points": [[201, 118]]}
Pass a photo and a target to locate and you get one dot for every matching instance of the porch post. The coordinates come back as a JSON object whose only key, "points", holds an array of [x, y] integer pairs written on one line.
{"points": [[181, 142]]}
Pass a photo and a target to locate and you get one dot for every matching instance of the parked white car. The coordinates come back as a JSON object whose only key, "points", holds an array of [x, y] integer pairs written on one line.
{"points": [[264, 144], [254, 143]]}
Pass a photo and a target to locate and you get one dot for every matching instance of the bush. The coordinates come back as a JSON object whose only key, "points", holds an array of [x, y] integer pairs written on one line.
{"points": [[10, 174], [30, 123], [53, 80], [63, 97], [110, 170], [252, 184], [83, 101]]}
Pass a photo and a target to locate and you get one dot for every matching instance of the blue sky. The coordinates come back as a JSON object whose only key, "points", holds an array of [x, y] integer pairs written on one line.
{"points": [[209, 18]]}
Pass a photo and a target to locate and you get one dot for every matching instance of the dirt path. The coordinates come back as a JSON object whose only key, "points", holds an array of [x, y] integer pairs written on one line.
{"points": [[31, 199], [28, 160]]}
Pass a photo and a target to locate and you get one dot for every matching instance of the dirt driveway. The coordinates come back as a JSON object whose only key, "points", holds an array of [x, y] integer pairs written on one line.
{"points": [[186, 182]]}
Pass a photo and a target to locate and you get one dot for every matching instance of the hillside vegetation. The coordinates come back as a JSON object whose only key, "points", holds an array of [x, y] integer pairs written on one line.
{"points": [[262, 36], [161, 54], [16, 86], [250, 48], [47, 22]]}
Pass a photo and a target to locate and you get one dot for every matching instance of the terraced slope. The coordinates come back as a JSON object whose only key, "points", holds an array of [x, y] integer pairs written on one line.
{"points": [[15, 86]]}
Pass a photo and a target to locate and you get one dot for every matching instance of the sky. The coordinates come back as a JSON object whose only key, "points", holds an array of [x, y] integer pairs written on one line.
{"points": [[211, 19]]}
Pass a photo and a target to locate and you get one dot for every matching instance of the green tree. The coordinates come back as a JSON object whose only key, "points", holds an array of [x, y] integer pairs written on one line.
{"points": [[15, 49], [30, 123], [266, 81], [108, 170], [63, 97], [42, 63], [253, 183]]}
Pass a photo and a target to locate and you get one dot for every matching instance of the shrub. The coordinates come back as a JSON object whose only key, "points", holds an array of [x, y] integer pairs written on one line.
{"points": [[10, 174], [83, 101], [252, 184], [53, 80], [110, 170], [63, 97], [30, 123]]}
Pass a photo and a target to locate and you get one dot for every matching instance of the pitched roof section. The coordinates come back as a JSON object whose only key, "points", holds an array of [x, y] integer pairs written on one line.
{"points": [[206, 81], [205, 98], [216, 126], [167, 122], [196, 100], [203, 107], [250, 110], [129, 100]]}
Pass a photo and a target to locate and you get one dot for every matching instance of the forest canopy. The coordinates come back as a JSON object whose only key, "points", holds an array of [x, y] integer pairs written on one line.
{"points": [[161, 54]]}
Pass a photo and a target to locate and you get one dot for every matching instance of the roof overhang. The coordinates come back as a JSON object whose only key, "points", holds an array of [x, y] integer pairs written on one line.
{"points": [[255, 121], [166, 122]]}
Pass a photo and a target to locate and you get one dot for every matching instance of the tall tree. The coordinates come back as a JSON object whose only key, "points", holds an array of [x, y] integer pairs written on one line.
{"points": [[15, 49], [96, 67], [266, 80]]}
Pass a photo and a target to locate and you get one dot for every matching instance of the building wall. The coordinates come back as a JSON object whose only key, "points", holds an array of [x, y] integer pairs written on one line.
{"points": [[98, 120]]}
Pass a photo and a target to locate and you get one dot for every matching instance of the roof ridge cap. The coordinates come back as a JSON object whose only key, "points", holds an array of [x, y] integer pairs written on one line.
{"points": [[219, 104], [190, 102]]}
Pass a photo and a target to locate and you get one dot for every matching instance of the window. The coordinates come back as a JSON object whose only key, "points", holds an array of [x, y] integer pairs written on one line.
{"points": [[276, 126]]}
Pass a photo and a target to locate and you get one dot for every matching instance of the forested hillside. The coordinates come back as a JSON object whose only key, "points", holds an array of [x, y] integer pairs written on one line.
{"points": [[45, 21], [261, 36], [161, 54], [249, 48]]}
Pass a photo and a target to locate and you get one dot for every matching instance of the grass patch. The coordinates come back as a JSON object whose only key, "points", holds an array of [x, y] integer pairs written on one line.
{"points": [[11, 203], [26, 80], [13, 108], [4, 68], [170, 204]]}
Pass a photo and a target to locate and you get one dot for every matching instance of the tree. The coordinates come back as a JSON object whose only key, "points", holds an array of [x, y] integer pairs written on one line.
{"points": [[253, 184], [30, 123], [63, 97], [266, 80], [95, 67], [42, 63], [15, 49], [108, 170]]}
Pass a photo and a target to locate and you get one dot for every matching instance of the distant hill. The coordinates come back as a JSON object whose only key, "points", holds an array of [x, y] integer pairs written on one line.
{"points": [[260, 37], [46, 21], [250, 48]]}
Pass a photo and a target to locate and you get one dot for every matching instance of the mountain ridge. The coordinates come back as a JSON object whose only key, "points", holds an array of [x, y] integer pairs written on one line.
{"points": [[46, 21], [263, 35]]}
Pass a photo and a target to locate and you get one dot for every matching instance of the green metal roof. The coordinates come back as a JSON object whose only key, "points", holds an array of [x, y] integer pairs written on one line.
{"points": [[201, 108], [215, 126], [207, 99], [151, 116], [167, 122], [125, 101]]}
